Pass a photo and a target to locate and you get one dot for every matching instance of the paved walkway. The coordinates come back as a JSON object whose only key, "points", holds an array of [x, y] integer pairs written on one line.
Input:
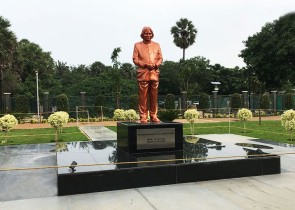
{"points": [[98, 133], [257, 192]]}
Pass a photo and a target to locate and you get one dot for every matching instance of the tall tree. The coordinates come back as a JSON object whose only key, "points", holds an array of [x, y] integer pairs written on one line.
{"points": [[8, 44], [270, 53], [32, 59], [193, 74], [184, 34]]}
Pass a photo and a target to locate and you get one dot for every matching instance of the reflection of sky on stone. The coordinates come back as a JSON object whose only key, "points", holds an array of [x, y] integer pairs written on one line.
{"points": [[227, 151], [104, 157], [105, 152], [86, 153]]}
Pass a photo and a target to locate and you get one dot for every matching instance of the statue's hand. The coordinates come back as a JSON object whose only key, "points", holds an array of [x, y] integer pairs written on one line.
{"points": [[149, 66]]}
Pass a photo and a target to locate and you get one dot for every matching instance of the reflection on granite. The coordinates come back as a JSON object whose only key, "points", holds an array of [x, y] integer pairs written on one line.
{"points": [[104, 155], [257, 146]]}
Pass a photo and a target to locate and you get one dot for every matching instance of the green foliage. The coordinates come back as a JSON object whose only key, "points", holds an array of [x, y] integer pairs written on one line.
{"points": [[100, 100], [169, 84], [22, 104], [236, 101], [270, 53], [204, 101], [170, 101], [193, 74], [101, 103], [133, 102], [289, 101], [8, 45], [32, 58], [168, 115], [232, 79], [62, 103], [264, 101]]}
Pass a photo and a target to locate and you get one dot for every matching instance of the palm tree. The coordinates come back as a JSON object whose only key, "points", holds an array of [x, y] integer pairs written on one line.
{"points": [[184, 34], [117, 76]]}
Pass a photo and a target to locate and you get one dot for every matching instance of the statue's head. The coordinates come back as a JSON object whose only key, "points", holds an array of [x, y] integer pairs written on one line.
{"points": [[145, 29]]}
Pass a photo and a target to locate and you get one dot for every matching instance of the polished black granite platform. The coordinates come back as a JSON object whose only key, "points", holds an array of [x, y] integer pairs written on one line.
{"points": [[106, 167]]}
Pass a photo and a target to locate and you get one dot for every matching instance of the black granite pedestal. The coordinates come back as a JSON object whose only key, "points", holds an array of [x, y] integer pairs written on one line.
{"points": [[136, 137], [101, 165]]}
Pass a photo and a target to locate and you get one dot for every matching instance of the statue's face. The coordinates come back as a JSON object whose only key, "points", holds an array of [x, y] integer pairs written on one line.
{"points": [[147, 35]]}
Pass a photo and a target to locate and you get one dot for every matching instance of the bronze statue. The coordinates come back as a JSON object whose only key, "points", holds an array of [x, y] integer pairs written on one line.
{"points": [[147, 56]]}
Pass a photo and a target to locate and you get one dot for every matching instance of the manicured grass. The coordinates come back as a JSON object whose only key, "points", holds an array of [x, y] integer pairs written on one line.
{"points": [[42, 135], [268, 130]]}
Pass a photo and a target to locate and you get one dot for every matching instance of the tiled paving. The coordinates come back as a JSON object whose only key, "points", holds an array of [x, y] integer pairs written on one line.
{"points": [[35, 190]]}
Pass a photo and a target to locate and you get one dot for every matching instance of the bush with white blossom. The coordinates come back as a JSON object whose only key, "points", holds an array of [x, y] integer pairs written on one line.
{"points": [[191, 115], [7, 123], [288, 121], [244, 115], [57, 120], [131, 115], [119, 114]]}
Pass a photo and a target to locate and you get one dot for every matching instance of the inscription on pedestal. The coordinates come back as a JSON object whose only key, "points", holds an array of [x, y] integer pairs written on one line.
{"points": [[135, 137], [155, 138]]}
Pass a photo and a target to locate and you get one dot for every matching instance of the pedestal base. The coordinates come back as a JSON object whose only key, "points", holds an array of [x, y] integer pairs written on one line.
{"points": [[101, 166], [136, 137]]}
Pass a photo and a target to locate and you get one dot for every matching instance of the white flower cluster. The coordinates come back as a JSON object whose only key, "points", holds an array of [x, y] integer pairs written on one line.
{"points": [[58, 119], [131, 115], [191, 115], [120, 114], [244, 114], [7, 122], [288, 120]]}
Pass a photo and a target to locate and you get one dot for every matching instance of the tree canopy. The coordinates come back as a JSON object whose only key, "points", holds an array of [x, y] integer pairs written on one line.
{"points": [[8, 45], [270, 53]]}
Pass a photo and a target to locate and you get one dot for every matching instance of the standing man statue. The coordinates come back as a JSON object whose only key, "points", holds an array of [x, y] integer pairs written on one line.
{"points": [[147, 56]]}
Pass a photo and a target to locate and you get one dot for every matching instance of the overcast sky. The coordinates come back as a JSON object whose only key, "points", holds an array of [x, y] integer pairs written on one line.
{"points": [[85, 31]]}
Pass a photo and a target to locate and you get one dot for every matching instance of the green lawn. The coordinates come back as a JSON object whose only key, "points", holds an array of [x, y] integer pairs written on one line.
{"points": [[42, 135], [268, 130]]}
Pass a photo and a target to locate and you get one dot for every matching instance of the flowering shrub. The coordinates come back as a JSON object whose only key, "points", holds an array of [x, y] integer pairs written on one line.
{"points": [[119, 114], [288, 121], [131, 115], [192, 116], [262, 113], [244, 115], [57, 120], [7, 123]]}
